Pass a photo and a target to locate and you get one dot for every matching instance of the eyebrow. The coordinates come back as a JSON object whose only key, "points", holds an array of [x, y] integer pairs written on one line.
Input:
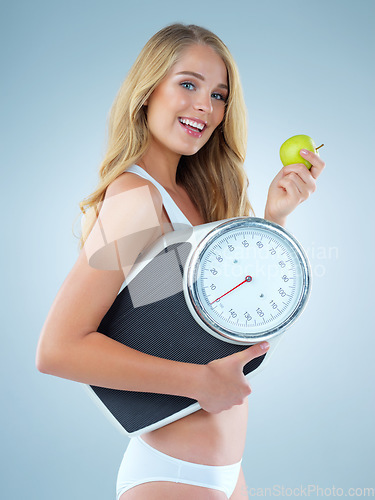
{"points": [[201, 77]]}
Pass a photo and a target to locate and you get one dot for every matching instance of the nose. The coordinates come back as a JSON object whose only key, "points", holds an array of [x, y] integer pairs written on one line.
{"points": [[203, 102]]}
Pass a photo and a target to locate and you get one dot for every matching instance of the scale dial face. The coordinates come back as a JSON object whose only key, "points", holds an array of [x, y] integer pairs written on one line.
{"points": [[248, 280]]}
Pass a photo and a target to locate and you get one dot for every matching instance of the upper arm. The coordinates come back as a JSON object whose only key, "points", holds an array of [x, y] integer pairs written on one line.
{"points": [[129, 219]]}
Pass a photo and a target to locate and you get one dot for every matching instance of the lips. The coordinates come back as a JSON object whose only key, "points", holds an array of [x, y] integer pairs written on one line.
{"points": [[193, 126]]}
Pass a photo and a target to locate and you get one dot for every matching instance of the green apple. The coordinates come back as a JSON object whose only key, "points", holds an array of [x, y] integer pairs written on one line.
{"points": [[289, 151]]}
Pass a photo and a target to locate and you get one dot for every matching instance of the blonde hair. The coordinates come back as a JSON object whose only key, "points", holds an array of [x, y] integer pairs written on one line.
{"points": [[214, 177]]}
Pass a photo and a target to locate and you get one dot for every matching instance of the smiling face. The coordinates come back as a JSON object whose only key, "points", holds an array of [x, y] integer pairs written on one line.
{"points": [[189, 103]]}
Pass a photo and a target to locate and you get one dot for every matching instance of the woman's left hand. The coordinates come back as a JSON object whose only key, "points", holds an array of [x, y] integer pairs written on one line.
{"points": [[291, 186]]}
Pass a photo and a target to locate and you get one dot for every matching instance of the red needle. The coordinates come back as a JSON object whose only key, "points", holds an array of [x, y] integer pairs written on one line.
{"points": [[246, 280]]}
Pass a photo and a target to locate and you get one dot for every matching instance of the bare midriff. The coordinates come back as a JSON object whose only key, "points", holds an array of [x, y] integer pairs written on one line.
{"points": [[204, 438]]}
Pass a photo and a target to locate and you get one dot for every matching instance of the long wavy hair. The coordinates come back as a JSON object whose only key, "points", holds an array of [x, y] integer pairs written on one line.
{"points": [[214, 177]]}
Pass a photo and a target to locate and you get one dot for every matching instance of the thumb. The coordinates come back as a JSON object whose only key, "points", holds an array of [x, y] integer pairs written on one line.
{"points": [[252, 352]]}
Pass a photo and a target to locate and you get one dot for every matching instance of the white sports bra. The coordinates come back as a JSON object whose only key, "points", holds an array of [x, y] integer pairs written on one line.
{"points": [[175, 215]]}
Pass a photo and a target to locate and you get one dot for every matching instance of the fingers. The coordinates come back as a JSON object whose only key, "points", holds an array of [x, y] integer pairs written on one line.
{"points": [[317, 164], [252, 352], [292, 185], [302, 180], [225, 384]]}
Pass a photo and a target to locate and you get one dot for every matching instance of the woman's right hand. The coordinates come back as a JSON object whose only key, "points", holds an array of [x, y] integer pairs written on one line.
{"points": [[224, 384]]}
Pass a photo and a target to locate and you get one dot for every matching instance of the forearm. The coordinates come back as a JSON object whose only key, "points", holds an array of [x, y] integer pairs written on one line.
{"points": [[95, 359], [272, 218]]}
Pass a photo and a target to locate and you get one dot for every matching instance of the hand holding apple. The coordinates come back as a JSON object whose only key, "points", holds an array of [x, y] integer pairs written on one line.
{"points": [[294, 183], [289, 150]]}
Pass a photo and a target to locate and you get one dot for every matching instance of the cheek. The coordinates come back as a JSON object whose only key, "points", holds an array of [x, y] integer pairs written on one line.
{"points": [[167, 104], [218, 117], [221, 114], [176, 101]]}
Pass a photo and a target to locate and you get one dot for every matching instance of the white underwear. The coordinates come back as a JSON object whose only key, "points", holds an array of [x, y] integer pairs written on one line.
{"points": [[143, 464]]}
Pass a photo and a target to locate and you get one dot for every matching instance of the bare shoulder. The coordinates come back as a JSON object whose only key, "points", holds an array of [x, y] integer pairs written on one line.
{"points": [[129, 216], [128, 182]]}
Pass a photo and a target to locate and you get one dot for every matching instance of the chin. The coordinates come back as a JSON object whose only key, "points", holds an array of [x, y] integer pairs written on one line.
{"points": [[190, 151]]}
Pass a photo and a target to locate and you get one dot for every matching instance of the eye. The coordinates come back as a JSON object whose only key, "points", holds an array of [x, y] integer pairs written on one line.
{"points": [[188, 85], [219, 97]]}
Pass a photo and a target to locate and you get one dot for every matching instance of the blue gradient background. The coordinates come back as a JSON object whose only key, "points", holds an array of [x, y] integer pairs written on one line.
{"points": [[306, 67]]}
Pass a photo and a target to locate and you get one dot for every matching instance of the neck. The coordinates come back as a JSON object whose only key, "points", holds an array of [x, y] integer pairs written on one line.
{"points": [[161, 165]]}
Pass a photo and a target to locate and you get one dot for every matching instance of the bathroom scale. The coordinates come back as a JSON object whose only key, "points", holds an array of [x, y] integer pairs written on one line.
{"points": [[199, 294]]}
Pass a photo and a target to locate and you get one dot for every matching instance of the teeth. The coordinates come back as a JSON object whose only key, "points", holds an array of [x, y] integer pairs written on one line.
{"points": [[199, 126]]}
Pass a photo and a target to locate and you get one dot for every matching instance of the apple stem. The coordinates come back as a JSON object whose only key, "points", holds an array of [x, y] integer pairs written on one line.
{"points": [[316, 149]]}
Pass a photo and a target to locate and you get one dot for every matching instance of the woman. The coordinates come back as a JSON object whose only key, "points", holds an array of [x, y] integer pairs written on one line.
{"points": [[176, 149]]}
